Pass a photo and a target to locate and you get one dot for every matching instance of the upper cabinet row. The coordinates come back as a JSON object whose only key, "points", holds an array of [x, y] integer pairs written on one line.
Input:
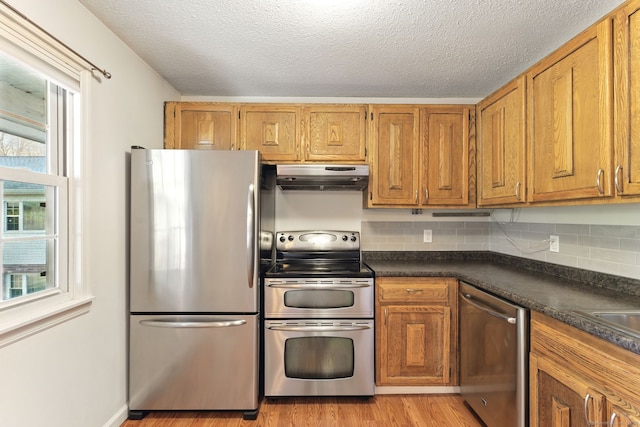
{"points": [[281, 132], [419, 155], [568, 130]]}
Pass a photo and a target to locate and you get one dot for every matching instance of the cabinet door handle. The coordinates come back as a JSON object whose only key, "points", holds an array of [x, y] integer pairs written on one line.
{"points": [[385, 315], [518, 192], [416, 196], [616, 178], [612, 421], [586, 413], [586, 409], [426, 195], [599, 181]]}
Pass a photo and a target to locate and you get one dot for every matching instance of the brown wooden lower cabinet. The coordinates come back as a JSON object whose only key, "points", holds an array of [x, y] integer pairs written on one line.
{"points": [[416, 331], [577, 379]]}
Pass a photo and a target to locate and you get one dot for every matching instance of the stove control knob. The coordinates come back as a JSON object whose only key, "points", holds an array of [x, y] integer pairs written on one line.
{"points": [[345, 238], [282, 239], [353, 238], [290, 238]]}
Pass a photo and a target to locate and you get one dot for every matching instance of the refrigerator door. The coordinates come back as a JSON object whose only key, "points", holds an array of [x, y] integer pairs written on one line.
{"points": [[194, 231], [201, 362]]}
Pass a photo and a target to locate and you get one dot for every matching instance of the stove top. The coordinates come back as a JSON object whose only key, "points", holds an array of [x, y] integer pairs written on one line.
{"points": [[318, 254]]}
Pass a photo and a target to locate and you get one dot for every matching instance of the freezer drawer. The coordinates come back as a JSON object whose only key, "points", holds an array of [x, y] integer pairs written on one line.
{"points": [[187, 362]]}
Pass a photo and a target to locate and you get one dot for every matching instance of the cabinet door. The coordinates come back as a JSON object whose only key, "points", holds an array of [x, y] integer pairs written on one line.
{"points": [[200, 125], [415, 339], [570, 114], [394, 175], [274, 130], [445, 156], [627, 90], [335, 133], [501, 146], [560, 399], [619, 417]]}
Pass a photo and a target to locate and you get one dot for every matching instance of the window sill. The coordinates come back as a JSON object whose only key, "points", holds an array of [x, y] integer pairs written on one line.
{"points": [[21, 323]]}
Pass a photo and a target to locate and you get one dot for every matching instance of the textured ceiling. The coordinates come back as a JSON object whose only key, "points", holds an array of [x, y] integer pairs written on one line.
{"points": [[345, 48]]}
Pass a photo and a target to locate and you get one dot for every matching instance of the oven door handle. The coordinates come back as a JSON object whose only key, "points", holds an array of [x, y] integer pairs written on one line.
{"points": [[319, 328], [307, 286], [488, 309]]}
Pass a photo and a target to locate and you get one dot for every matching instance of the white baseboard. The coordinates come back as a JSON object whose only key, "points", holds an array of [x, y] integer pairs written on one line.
{"points": [[119, 417], [418, 390]]}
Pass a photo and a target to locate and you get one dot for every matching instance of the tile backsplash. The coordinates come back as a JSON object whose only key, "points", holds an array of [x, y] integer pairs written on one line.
{"points": [[608, 249]]}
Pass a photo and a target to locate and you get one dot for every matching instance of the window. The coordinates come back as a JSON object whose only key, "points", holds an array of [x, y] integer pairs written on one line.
{"points": [[40, 159], [33, 181]]}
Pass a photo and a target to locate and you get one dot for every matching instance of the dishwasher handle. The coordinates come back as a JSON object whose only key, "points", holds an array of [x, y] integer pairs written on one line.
{"points": [[489, 310]]}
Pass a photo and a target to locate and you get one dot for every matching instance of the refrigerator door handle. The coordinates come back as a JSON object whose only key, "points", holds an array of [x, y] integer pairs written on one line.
{"points": [[251, 250], [192, 324]]}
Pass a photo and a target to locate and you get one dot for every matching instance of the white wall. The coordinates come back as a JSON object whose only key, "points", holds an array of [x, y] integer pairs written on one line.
{"points": [[74, 375]]}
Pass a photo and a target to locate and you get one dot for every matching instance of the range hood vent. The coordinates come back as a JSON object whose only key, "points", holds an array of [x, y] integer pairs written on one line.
{"points": [[324, 177]]}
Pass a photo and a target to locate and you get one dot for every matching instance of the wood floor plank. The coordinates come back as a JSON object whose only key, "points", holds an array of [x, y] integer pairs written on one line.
{"points": [[379, 411]]}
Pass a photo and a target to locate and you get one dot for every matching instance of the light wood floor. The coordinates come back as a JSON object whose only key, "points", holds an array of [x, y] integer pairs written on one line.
{"points": [[378, 411]]}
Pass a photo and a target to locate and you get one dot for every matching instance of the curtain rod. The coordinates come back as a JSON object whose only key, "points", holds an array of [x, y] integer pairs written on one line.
{"points": [[102, 71]]}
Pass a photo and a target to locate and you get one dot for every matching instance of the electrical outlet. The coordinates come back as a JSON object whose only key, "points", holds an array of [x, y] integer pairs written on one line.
{"points": [[554, 243], [428, 236]]}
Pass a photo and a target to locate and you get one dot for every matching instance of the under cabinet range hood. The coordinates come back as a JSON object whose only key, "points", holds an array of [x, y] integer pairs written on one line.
{"points": [[325, 177]]}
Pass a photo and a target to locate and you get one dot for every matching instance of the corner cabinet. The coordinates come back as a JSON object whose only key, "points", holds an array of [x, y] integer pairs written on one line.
{"points": [[577, 379], [422, 156], [571, 119], [200, 125], [416, 331], [627, 105], [502, 167]]}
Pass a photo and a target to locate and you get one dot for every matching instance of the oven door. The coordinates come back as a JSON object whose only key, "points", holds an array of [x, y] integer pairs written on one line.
{"points": [[318, 298], [319, 358]]}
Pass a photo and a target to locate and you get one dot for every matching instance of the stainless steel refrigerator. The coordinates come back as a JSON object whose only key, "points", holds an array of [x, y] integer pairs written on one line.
{"points": [[201, 228]]}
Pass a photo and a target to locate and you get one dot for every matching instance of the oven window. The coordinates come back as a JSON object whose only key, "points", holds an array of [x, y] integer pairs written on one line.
{"points": [[318, 358], [318, 298]]}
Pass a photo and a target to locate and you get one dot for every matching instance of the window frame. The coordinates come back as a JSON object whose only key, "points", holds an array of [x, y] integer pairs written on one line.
{"points": [[27, 43]]}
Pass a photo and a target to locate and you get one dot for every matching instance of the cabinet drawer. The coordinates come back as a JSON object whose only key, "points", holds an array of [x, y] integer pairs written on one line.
{"points": [[409, 289]]}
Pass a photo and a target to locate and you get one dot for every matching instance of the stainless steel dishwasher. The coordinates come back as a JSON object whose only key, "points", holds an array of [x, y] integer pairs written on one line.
{"points": [[494, 337]]}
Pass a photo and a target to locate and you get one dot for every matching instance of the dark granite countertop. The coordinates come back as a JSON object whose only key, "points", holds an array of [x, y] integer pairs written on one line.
{"points": [[556, 291]]}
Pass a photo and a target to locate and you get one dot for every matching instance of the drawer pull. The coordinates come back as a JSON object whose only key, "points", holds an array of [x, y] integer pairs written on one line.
{"points": [[414, 291]]}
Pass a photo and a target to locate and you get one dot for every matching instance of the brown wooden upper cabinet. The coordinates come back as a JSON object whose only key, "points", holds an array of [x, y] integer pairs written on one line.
{"points": [[273, 129], [335, 133], [502, 167], [420, 156], [627, 105], [394, 159], [571, 119], [444, 172], [200, 125]]}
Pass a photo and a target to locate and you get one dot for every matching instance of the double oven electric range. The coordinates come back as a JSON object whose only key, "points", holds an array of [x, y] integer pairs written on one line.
{"points": [[318, 309]]}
